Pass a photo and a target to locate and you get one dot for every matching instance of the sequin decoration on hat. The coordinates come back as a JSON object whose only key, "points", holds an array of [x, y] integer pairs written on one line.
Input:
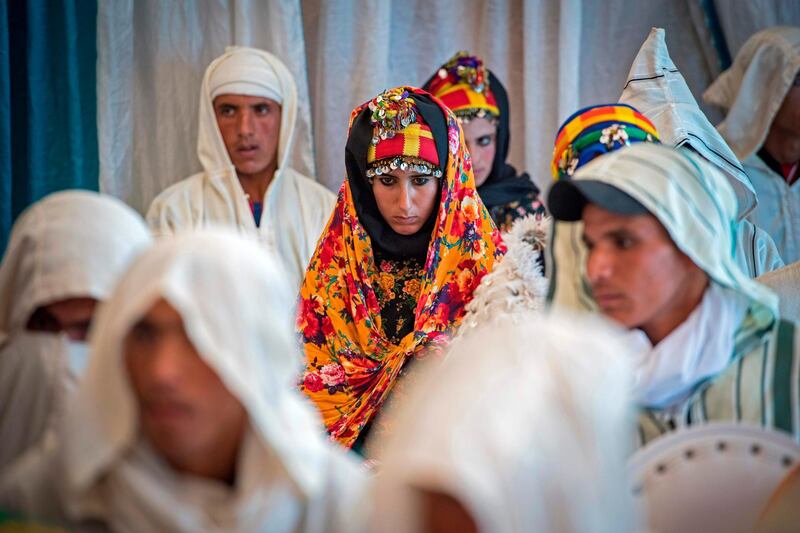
{"points": [[463, 85], [597, 130], [401, 139]]}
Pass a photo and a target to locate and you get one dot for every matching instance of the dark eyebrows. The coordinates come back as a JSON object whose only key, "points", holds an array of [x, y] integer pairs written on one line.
{"points": [[616, 233]]}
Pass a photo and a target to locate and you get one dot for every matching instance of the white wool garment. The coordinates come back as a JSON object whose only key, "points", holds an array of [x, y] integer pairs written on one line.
{"points": [[246, 74], [516, 284], [70, 244], [295, 208], [658, 90], [35, 385], [752, 91], [236, 304], [527, 424], [786, 282]]}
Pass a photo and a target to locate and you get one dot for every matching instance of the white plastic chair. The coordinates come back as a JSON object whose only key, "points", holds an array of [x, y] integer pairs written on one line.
{"points": [[710, 478]]}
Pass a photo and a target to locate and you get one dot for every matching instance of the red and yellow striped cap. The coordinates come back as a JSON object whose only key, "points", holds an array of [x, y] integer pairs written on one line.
{"points": [[414, 142], [401, 138], [463, 85]]}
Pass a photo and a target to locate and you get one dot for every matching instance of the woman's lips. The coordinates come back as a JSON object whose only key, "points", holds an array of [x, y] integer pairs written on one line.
{"points": [[405, 221]]}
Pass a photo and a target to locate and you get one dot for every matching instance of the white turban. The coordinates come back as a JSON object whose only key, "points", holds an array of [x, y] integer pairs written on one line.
{"points": [[245, 71]]}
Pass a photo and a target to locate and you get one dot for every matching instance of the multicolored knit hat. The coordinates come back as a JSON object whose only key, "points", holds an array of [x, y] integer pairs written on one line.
{"points": [[463, 85], [401, 139], [596, 130]]}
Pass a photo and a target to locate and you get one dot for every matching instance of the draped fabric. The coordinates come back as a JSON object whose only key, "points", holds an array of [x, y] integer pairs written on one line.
{"points": [[552, 56], [526, 424], [350, 364], [48, 138], [150, 56]]}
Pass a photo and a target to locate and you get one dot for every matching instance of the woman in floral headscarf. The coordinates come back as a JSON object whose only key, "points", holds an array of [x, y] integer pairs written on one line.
{"points": [[406, 245], [480, 103]]}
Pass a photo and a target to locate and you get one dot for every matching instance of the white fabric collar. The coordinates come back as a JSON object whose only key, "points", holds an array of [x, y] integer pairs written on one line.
{"points": [[700, 348]]}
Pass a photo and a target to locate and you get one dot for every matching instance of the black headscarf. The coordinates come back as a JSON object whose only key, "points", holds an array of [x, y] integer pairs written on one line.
{"points": [[503, 184], [380, 232]]}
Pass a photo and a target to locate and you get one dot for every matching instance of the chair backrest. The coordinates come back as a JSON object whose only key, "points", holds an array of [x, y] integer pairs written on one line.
{"points": [[708, 478]]}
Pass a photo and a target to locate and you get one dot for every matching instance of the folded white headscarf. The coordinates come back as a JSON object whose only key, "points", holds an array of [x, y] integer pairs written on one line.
{"points": [[527, 424], [247, 74]]}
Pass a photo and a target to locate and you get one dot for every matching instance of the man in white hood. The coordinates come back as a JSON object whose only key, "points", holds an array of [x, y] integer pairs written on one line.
{"points": [[189, 418], [658, 231], [64, 256], [761, 94], [248, 110]]}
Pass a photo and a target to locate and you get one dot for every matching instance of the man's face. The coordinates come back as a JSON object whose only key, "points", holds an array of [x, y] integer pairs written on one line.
{"points": [[638, 276], [250, 127], [786, 126], [186, 412]]}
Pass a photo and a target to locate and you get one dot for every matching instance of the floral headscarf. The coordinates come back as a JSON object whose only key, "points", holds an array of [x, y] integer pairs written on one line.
{"points": [[350, 364]]}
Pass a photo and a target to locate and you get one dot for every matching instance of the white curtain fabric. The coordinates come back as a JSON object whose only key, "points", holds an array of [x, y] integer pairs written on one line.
{"points": [[553, 56], [742, 18]]}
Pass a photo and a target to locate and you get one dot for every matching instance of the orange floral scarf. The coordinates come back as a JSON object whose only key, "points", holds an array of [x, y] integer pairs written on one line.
{"points": [[350, 364]]}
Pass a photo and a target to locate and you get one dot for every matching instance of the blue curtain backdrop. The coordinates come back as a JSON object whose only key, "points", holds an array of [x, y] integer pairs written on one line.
{"points": [[48, 104]]}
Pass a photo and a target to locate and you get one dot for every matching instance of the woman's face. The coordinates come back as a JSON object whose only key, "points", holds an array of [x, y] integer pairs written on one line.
{"points": [[481, 137], [405, 199]]}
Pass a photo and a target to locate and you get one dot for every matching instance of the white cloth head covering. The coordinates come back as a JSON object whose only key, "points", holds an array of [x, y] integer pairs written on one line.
{"points": [[69, 244], [658, 90], [36, 383], [246, 74], [241, 70], [694, 202], [236, 304], [526, 424], [753, 88]]}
